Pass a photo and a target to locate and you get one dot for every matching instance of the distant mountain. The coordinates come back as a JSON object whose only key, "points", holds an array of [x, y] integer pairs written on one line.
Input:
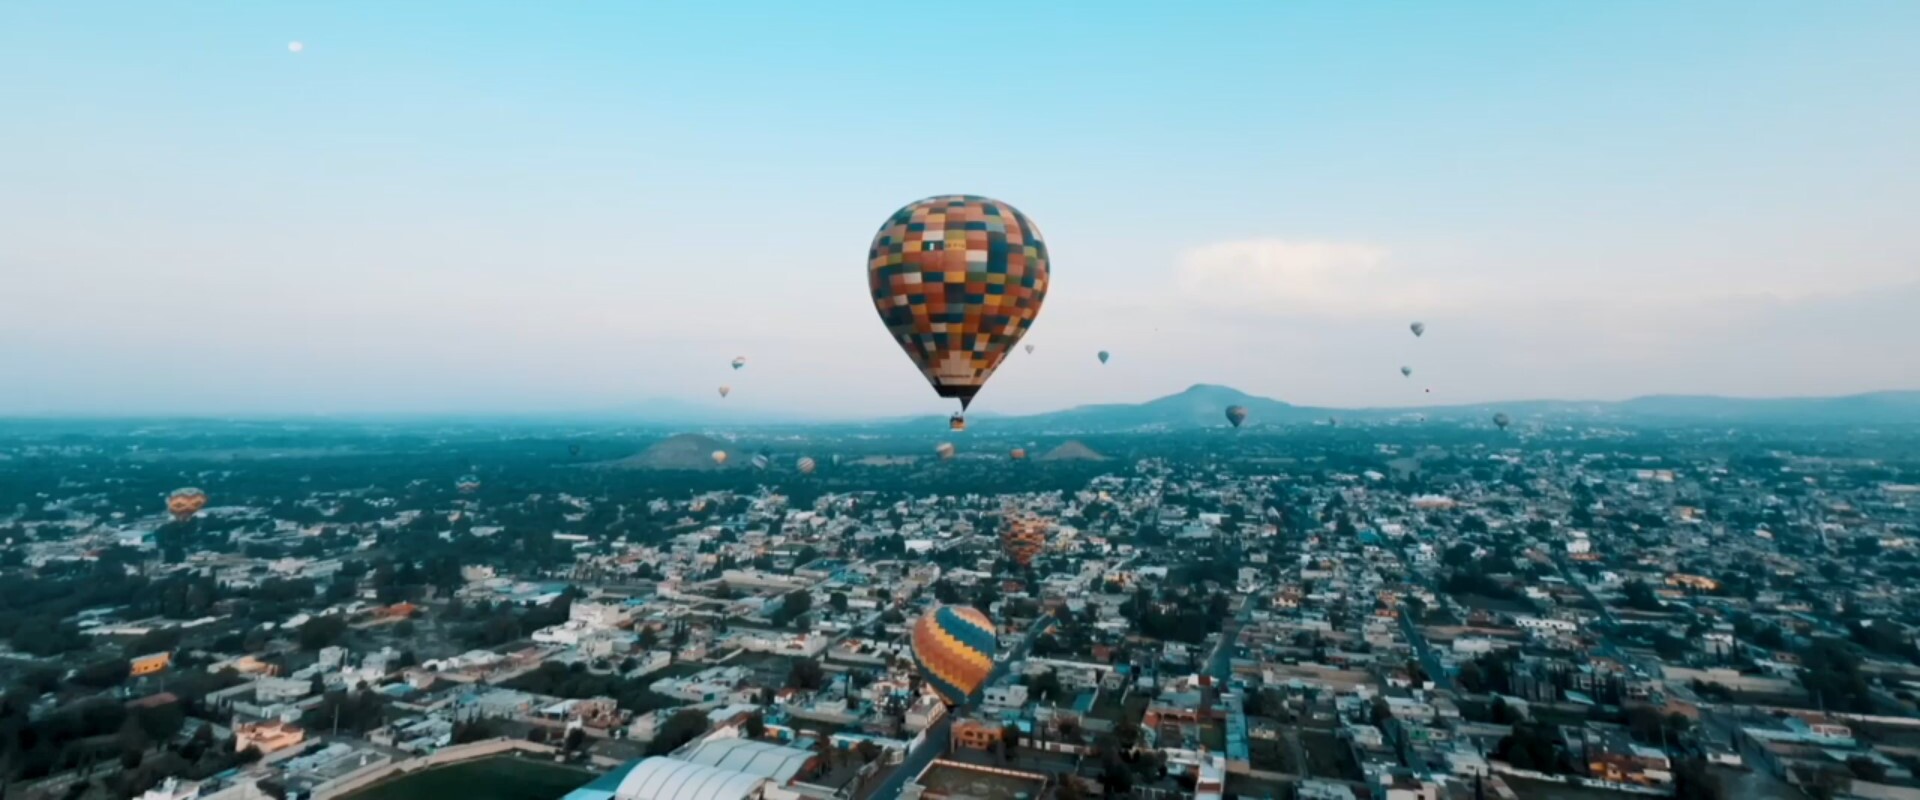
{"points": [[685, 451], [1201, 405], [1072, 450], [1204, 405]]}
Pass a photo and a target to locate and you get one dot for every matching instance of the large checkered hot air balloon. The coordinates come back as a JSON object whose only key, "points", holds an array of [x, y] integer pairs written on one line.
{"points": [[953, 646], [958, 280], [185, 502]]}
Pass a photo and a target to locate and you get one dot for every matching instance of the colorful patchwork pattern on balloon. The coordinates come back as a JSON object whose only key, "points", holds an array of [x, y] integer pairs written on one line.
{"points": [[958, 280]]}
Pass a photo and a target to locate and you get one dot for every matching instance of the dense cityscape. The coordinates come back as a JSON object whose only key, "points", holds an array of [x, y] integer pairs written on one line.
{"points": [[1388, 608]]}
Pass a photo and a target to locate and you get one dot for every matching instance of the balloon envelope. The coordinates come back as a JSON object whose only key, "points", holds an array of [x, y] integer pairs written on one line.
{"points": [[739, 361], [1104, 355], [945, 450], [1501, 419], [953, 647], [185, 502], [805, 465], [1018, 454], [1236, 415], [957, 279], [1418, 328], [467, 484], [719, 456], [1024, 538], [726, 390], [1029, 349], [1406, 372]]}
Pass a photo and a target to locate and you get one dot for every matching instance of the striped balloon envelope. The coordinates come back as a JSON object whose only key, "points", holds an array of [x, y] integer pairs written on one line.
{"points": [[953, 646]]}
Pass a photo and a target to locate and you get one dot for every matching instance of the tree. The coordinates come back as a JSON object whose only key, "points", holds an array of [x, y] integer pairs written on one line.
{"points": [[319, 632], [838, 600], [806, 674], [684, 726]]}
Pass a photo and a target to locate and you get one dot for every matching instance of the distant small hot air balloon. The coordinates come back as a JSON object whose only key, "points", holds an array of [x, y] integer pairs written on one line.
{"points": [[945, 450], [1018, 454], [1029, 349], [1104, 355], [1418, 328], [739, 361], [836, 459], [805, 465], [719, 456], [1406, 372], [1334, 421], [760, 461], [725, 390], [1236, 415], [467, 484], [957, 422], [953, 647], [1501, 419], [185, 502]]}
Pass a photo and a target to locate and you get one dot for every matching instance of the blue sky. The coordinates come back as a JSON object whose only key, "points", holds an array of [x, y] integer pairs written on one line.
{"points": [[534, 206]]}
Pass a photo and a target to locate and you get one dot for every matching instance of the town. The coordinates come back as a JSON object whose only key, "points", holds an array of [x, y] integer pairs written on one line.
{"points": [[1397, 610]]}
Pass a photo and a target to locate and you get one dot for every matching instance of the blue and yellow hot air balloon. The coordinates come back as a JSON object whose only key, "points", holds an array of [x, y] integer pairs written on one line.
{"points": [[954, 646]]}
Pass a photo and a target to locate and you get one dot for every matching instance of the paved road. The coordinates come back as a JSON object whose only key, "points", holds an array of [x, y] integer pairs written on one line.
{"points": [[935, 744], [1220, 661], [1429, 661]]}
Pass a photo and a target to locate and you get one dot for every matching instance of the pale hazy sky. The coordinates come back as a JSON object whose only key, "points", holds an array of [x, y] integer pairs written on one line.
{"points": [[546, 206]]}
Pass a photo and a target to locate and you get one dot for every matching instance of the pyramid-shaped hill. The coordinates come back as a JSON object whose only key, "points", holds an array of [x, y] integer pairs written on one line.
{"points": [[1072, 450], [682, 451]]}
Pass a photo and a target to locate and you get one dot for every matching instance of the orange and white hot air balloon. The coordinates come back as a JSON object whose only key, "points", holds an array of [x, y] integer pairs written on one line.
{"points": [[185, 502], [720, 457], [724, 391], [945, 450]]}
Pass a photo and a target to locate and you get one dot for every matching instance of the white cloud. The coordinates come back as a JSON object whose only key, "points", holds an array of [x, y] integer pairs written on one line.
{"points": [[1306, 277]]}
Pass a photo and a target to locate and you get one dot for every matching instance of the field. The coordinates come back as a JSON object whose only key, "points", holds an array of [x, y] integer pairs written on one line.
{"points": [[497, 778]]}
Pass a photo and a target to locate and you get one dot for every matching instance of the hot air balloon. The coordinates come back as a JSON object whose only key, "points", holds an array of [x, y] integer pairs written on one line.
{"points": [[1406, 372], [739, 361], [185, 502], [724, 391], [945, 450], [1104, 355], [1023, 538], [1334, 421], [1236, 415], [760, 461], [1502, 420], [467, 484], [836, 459], [1018, 454], [720, 457], [957, 280], [1029, 349], [805, 465], [1418, 328], [957, 422], [953, 647]]}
